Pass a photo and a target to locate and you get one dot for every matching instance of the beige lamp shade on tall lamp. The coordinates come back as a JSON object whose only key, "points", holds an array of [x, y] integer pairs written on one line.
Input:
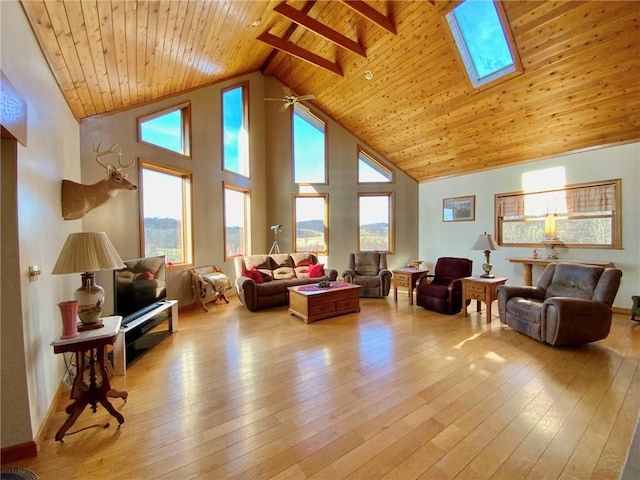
{"points": [[487, 243], [86, 253]]}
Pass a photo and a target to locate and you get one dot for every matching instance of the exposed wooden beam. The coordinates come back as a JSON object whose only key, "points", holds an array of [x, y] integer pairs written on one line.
{"points": [[371, 14], [269, 64], [300, 53], [319, 28]]}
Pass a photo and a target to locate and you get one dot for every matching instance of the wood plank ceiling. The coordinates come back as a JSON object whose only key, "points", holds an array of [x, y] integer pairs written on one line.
{"points": [[580, 87]]}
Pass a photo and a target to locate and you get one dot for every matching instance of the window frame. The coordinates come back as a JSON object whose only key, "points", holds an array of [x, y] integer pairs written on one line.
{"points": [[376, 163], [616, 215], [462, 51], [185, 107], [245, 122], [308, 111], [391, 197], [247, 218], [187, 206], [325, 196]]}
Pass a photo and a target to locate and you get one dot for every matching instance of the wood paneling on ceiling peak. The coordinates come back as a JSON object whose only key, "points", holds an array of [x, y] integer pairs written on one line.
{"points": [[580, 87]]}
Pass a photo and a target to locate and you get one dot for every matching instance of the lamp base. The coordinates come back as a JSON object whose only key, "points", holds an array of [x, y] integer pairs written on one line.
{"points": [[487, 275], [90, 299]]}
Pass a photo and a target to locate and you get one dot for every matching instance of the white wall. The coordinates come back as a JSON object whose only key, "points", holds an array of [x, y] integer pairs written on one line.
{"points": [[51, 154], [438, 238]]}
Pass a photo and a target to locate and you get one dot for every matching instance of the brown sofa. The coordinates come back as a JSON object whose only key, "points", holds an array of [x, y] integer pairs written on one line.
{"points": [[278, 271], [571, 304]]}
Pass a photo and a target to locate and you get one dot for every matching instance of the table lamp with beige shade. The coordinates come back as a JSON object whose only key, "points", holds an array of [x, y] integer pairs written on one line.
{"points": [[86, 253], [486, 243]]}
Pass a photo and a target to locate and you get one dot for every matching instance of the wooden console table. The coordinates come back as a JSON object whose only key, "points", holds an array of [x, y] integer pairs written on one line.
{"points": [[406, 277], [528, 263], [91, 345]]}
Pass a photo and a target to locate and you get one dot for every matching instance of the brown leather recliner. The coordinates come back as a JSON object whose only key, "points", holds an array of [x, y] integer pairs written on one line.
{"points": [[369, 270], [444, 293], [571, 305]]}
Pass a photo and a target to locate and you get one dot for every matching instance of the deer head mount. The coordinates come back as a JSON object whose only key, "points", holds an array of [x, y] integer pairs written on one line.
{"points": [[79, 199]]}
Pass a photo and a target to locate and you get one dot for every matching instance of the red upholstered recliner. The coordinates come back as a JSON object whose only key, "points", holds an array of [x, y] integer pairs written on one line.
{"points": [[444, 293]]}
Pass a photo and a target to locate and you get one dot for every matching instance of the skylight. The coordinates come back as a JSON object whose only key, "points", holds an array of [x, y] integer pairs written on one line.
{"points": [[482, 35]]}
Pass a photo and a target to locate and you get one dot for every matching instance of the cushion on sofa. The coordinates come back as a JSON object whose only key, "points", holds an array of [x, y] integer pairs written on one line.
{"points": [[283, 266], [301, 264], [262, 263], [254, 274], [316, 270]]}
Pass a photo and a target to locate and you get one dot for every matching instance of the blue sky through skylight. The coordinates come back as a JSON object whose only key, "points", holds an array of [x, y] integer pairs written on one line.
{"points": [[480, 26]]}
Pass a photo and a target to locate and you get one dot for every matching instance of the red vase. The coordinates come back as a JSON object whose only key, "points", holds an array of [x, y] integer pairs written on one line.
{"points": [[69, 311]]}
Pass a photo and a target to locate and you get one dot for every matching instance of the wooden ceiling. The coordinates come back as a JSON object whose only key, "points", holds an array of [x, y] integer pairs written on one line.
{"points": [[580, 87]]}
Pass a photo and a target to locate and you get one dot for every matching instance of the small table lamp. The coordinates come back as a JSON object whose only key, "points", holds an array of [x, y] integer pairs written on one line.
{"points": [[86, 253], [551, 236], [487, 243]]}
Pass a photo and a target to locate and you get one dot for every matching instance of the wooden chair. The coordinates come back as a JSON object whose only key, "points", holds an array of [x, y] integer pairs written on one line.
{"points": [[208, 285]]}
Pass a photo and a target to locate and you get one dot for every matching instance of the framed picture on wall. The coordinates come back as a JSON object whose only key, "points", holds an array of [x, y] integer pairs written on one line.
{"points": [[459, 209]]}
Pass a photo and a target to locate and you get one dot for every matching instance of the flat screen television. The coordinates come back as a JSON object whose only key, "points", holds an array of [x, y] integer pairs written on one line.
{"points": [[139, 287]]}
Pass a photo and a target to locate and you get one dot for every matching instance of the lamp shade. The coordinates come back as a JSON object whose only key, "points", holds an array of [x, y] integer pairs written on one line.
{"points": [[485, 242], [87, 252]]}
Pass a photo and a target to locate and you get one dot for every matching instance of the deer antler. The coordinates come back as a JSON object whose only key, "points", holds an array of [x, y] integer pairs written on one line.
{"points": [[101, 153], [96, 150], [124, 167]]}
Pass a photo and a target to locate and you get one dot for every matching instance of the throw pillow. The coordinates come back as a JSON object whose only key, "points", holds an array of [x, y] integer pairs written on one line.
{"points": [[253, 274], [266, 277], [144, 276], [316, 271]]}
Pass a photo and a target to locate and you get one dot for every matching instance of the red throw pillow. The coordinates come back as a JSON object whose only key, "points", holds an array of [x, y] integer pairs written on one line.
{"points": [[253, 274], [145, 276], [316, 270]]}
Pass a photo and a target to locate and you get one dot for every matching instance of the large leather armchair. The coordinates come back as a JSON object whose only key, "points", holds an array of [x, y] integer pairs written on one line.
{"points": [[443, 293], [369, 270], [571, 305]]}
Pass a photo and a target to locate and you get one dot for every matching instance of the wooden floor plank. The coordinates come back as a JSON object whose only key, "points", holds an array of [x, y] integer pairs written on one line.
{"points": [[393, 392]]}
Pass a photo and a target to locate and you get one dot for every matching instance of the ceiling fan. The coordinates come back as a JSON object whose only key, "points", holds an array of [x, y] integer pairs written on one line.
{"points": [[289, 98]]}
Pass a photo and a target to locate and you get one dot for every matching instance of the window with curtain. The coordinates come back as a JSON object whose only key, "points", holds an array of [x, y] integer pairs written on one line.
{"points": [[586, 215]]}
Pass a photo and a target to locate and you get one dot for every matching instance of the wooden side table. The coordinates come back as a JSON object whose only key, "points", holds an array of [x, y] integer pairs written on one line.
{"points": [[481, 290], [91, 345], [406, 277]]}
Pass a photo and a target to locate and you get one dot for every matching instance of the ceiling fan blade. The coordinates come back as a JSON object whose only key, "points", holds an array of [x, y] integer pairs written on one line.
{"points": [[306, 97], [284, 107], [274, 99], [287, 91]]}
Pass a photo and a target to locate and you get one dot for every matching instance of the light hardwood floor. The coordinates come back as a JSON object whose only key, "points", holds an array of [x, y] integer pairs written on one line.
{"points": [[394, 392]]}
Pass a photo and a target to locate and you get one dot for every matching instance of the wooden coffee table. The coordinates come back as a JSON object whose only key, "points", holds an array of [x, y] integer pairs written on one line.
{"points": [[312, 303]]}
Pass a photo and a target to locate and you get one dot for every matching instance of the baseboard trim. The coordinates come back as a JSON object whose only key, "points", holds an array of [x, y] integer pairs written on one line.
{"points": [[623, 311], [19, 452]]}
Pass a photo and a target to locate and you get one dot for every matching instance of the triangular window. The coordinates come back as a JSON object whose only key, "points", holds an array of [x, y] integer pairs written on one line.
{"points": [[370, 171]]}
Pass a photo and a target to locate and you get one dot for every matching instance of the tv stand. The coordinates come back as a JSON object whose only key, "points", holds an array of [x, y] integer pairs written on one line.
{"points": [[139, 335]]}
